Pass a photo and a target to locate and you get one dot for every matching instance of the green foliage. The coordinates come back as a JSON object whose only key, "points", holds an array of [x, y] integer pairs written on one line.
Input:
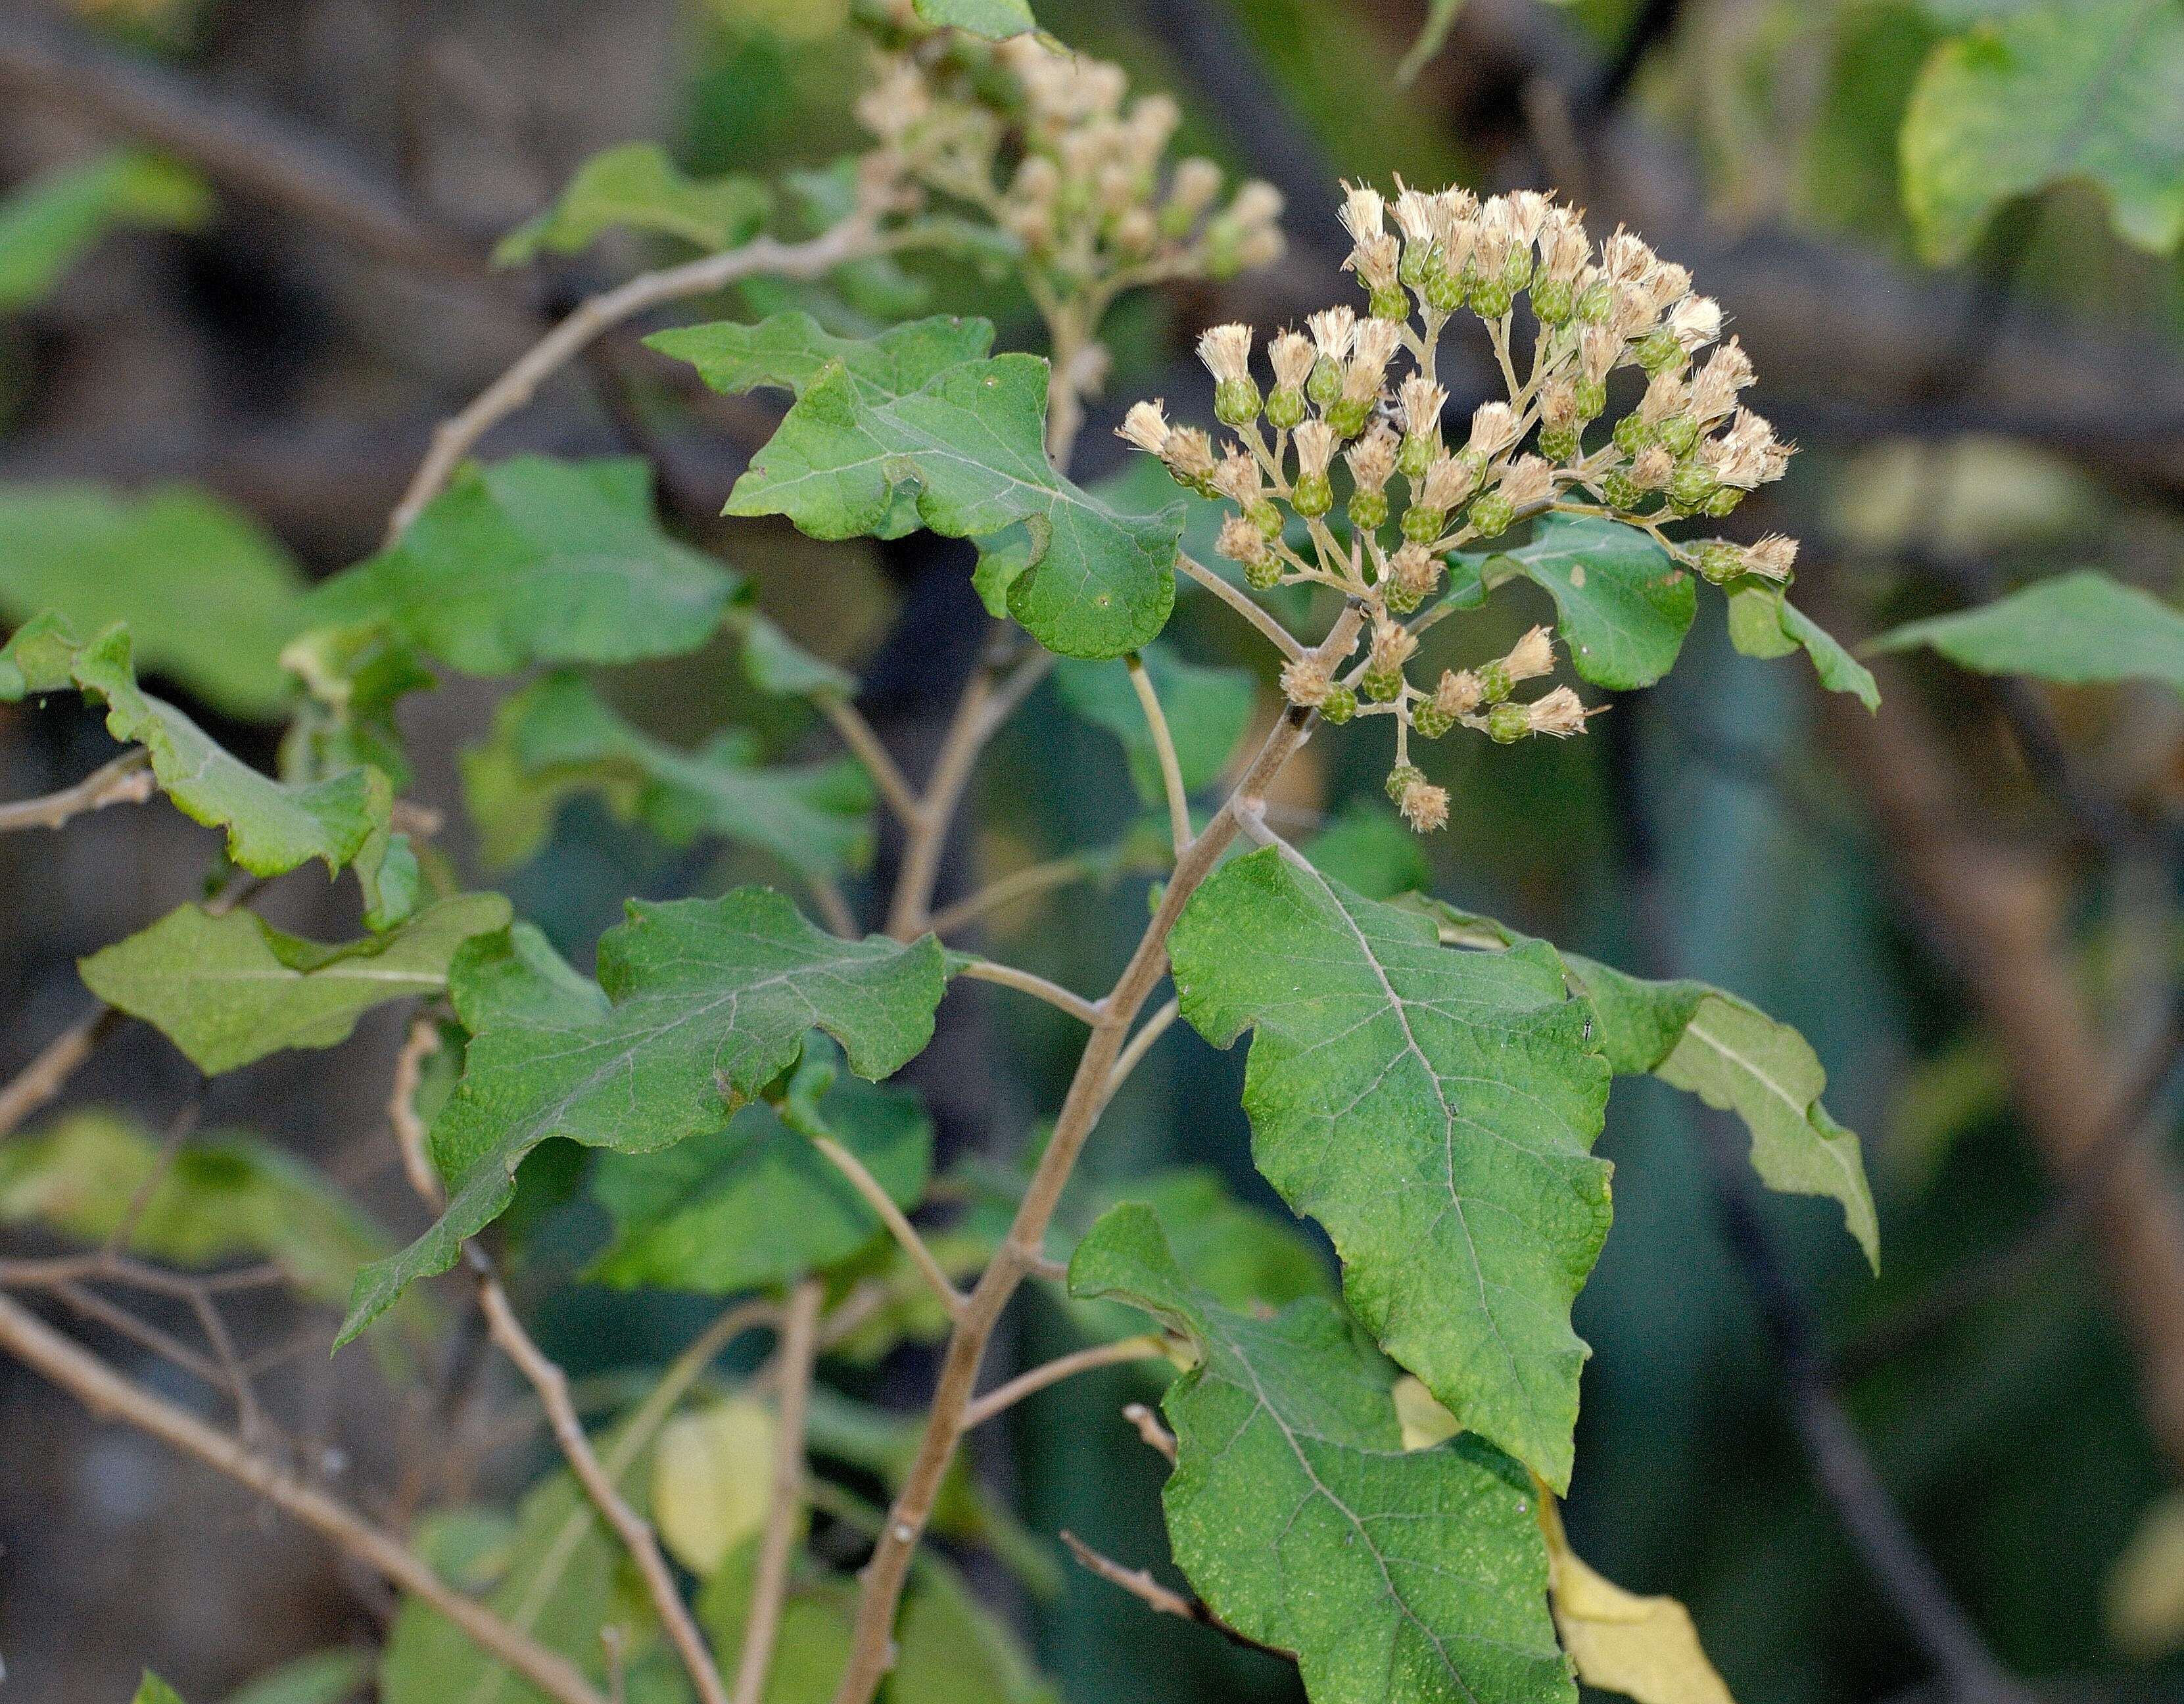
{"points": [[231, 988], [151, 1689], [955, 1651], [1736, 1058], [710, 1000], [227, 1196], [1433, 35], [2060, 89], [1625, 604], [1397, 1577], [1207, 711], [1433, 1109], [209, 597], [638, 187], [2076, 629], [50, 223], [271, 828], [556, 739], [914, 427], [994, 18], [755, 1202], [1762, 622], [324, 1677], [776, 665], [534, 560]]}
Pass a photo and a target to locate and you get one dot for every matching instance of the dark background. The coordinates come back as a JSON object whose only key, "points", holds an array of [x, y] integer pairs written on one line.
{"points": [[1967, 906]]}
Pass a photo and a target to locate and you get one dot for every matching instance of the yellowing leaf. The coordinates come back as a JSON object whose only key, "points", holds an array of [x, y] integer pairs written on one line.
{"points": [[712, 1479], [1424, 1422], [2145, 1594], [1643, 1648]]}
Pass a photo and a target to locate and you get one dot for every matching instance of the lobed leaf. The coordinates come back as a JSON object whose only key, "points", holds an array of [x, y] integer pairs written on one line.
{"points": [[1435, 1109], [2065, 88], [2075, 629], [48, 224], [272, 827], [209, 597], [231, 988], [637, 187], [1762, 622], [914, 428], [1624, 602], [535, 560], [710, 1001], [1396, 1576]]}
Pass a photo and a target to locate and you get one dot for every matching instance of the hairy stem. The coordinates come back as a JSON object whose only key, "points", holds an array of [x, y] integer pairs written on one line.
{"points": [[873, 1645], [106, 1392]]}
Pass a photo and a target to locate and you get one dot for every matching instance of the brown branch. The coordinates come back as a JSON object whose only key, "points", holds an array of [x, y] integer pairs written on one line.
{"points": [[1038, 987], [1006, 890], [1158, 1438], [865, 745], [46, 1075], [108, 1393], [1140, 1584], [800, 1348], [1003, 1397], [128, 780], [875, 1196]]}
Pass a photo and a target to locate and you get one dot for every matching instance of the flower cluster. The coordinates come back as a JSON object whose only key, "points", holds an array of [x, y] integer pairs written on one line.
{"points": [[1049, 147], [1359, 389]]}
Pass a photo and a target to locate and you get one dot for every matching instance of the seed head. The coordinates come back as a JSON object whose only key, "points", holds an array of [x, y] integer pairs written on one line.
{"points": [[1393, 644], [1291, 355], [1422, 399], [1305, 681], [1241, 542], [1695, 321], [1227, 352], [1458, 694], [1424, 807], [1237, 477], [1372, 459], [1333, 330], [1559, 714], [1362, 211], [1146, 427], [1531, 656], [1315, 442], [1493, 429], [1714, 388], [1772, 557]]}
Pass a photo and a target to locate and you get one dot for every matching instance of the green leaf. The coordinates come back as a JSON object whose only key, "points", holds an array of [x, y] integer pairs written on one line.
{"points": [[535, 560], [953, 1649], [355, 677], [1207, 710], [1762, 622], [50, 223], [2076, 629], [1433, 1109], [210, 598], [811, 1645], [270, 827], [637, 185], [779, 667], [1367, 849], [515, 978], [1625, 604], [1240, 1255], [912, 423], [151, 1689], [755, 1203], [2088, 89], [996, 20], [1397, 1577], [232, 988], [226, 1196], [324, 1677], [711, 1001], [1433, 35], [1736, 1058], [556, 739]]}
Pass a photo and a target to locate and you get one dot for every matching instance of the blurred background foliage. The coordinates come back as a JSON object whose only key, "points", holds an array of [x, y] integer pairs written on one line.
{"points": [[1967, 427]]}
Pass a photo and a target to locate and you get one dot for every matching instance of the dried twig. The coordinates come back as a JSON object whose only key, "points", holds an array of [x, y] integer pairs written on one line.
{"points": [[1140, 1584], [1003, 1397], [128, 780]]}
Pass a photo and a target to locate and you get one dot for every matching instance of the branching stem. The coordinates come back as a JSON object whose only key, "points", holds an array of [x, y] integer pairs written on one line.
{"points": [[127, 780], [1004, 1397], [898, 1222], [1029, 982]]}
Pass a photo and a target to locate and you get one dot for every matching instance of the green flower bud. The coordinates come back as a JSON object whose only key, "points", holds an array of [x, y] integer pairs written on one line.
{"points": [[1261, 513], [1418, 264], [1692, 486], [1416, 454], [1236, 402], [1384, 684], [1429, 720], [1659, 351], [1422, 525], [1392, 303], [1559, 444], [1263, 576], [1553, 300], [1312, 496], [1491, 300], [1592, 399], [1721, 501], [1368, 509], [1594, 305], [1285, 410], [1633, 434], [1445, 291], [1678, 434], [1719, 562], [1517, 269], [1402, 600], [1340, 705], [1494, 682], [1493, 514], [1621, 491], [1401, 776], [1507, 724], [1348, 415], [1324, 386]]}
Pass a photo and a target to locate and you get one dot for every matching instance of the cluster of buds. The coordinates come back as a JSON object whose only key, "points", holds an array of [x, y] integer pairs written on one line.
{"points": [[1344, 470], [1051, 148]]}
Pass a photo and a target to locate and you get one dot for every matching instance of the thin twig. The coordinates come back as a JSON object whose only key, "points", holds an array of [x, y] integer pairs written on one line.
{"points": [[46, 1075], [142, 1332], [106, 1393], [1140, 1044], [1280, 637], [1031, 983], [763, 256], [1006, 890], [876, 1197], [1005, 1396], [128, 780], [545, 1376], [1158, 1438], [422, 1042], [832, 904], [1171, 767], [800, 1348], [863, 742], [1140, 1584]]}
